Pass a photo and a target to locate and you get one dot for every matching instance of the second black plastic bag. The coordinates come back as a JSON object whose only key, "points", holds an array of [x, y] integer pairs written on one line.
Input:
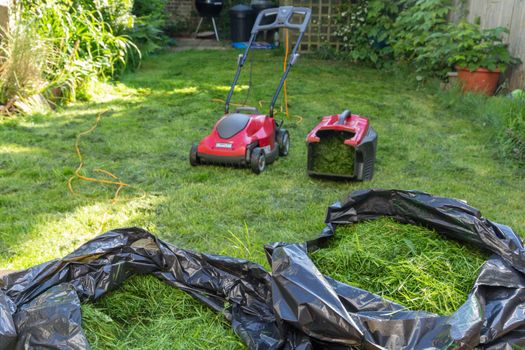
{"points": [[294, 306]]}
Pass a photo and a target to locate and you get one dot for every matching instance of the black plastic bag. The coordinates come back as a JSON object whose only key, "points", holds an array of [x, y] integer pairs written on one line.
{"points": [[294, 307]]}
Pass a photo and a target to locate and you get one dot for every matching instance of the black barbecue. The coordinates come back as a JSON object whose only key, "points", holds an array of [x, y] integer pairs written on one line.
{"points": [[209, 9]]}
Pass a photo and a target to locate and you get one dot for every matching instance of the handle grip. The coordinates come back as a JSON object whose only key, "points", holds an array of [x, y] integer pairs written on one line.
{"points": [[282, 20], [342, 117], [252, 110]]}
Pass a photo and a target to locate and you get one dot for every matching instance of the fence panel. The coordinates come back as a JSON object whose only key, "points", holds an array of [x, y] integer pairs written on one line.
{"points": [[321, 30], [517, 43], [5, 7], [509, 14]]}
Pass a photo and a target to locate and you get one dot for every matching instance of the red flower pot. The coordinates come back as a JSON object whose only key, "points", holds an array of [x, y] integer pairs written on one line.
{"points": [[481, 80]]}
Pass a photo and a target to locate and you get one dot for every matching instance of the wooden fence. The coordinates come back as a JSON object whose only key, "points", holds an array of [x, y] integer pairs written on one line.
{"points": [[505, 13], [321, 30], [5, 7]]}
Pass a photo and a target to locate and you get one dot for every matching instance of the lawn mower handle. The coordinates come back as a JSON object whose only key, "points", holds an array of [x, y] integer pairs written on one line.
{"points": [[282, 20], [342, 117], [282, 15]]}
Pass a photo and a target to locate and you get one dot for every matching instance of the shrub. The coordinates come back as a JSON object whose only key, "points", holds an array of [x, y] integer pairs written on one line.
{"points": [[413, 35], [417, 32], [23, 61], [84, 44], [59, 46], [150, 20], [472, 47], [364, 27], [465, 45]]}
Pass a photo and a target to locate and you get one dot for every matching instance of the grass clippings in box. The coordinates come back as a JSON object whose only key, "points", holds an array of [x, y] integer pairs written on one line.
{"points": [[332, 156]]}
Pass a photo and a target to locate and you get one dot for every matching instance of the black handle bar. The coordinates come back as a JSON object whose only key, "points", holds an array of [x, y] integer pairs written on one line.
{"points": [[282, 15], [282, 20]]}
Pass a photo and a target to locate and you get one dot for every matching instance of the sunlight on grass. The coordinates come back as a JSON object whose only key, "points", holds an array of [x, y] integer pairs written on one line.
{"points": [[226, 88], [55, 235], [13, 148], [103, 92], [186, 90]]}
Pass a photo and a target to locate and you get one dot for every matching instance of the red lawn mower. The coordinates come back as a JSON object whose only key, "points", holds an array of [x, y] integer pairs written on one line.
{"points": [[246, 137]]}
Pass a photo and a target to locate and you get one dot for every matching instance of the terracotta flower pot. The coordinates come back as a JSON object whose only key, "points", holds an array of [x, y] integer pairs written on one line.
{"points": [[481, 80]]}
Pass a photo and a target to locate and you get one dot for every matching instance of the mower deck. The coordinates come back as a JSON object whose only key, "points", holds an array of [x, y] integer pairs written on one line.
{"points": [[237, 137]]}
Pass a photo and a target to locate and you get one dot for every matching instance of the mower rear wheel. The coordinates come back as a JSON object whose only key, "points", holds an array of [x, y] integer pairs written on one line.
{"points": [[283, 140], [258, 160], [194, 158]]}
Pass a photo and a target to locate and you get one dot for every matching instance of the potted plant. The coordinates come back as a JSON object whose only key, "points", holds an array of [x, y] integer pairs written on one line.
{"points": [[479, 56]]}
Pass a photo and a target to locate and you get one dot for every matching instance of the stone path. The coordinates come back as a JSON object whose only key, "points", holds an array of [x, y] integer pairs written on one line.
{"points": [[200, 44]]}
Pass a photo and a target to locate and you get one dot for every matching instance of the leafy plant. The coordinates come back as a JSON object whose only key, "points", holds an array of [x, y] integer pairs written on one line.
{"points": [[412, 34], [472, 47], [84, 45], [150, 20], [364, 27], [116, 13]]}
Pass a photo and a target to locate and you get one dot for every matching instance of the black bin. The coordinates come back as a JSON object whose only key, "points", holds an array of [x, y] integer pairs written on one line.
{"points": [[258, 6], [242, 18]]}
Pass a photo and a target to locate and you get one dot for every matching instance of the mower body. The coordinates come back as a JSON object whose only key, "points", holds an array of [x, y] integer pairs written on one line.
{"points": [[354, 132], [234, 137]]}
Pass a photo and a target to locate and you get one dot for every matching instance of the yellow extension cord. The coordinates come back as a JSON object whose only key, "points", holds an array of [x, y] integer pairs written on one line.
{"points": [[116, 181]]}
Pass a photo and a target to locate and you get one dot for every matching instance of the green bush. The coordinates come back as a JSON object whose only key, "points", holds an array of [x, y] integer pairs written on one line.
{"points": [[412, 36], [59, 46], [84, 45], [364, 27], [23, 62], [417, 32], [151, 19], [379, 31], [465, 45], [472, 47]]}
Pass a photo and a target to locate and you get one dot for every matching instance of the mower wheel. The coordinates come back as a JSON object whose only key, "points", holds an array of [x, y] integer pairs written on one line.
{"points": [[194, 159], [283, 140], [258, 160]]}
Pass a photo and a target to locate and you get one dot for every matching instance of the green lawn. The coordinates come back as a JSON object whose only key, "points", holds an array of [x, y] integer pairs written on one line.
{"points": [[156, 113]]}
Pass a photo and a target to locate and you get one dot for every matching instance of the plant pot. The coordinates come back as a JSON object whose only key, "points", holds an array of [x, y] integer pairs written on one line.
{"points": [[481, 80]]}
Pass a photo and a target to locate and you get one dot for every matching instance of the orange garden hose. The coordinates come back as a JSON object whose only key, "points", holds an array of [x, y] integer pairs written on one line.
{"points": [[78, 174]]}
